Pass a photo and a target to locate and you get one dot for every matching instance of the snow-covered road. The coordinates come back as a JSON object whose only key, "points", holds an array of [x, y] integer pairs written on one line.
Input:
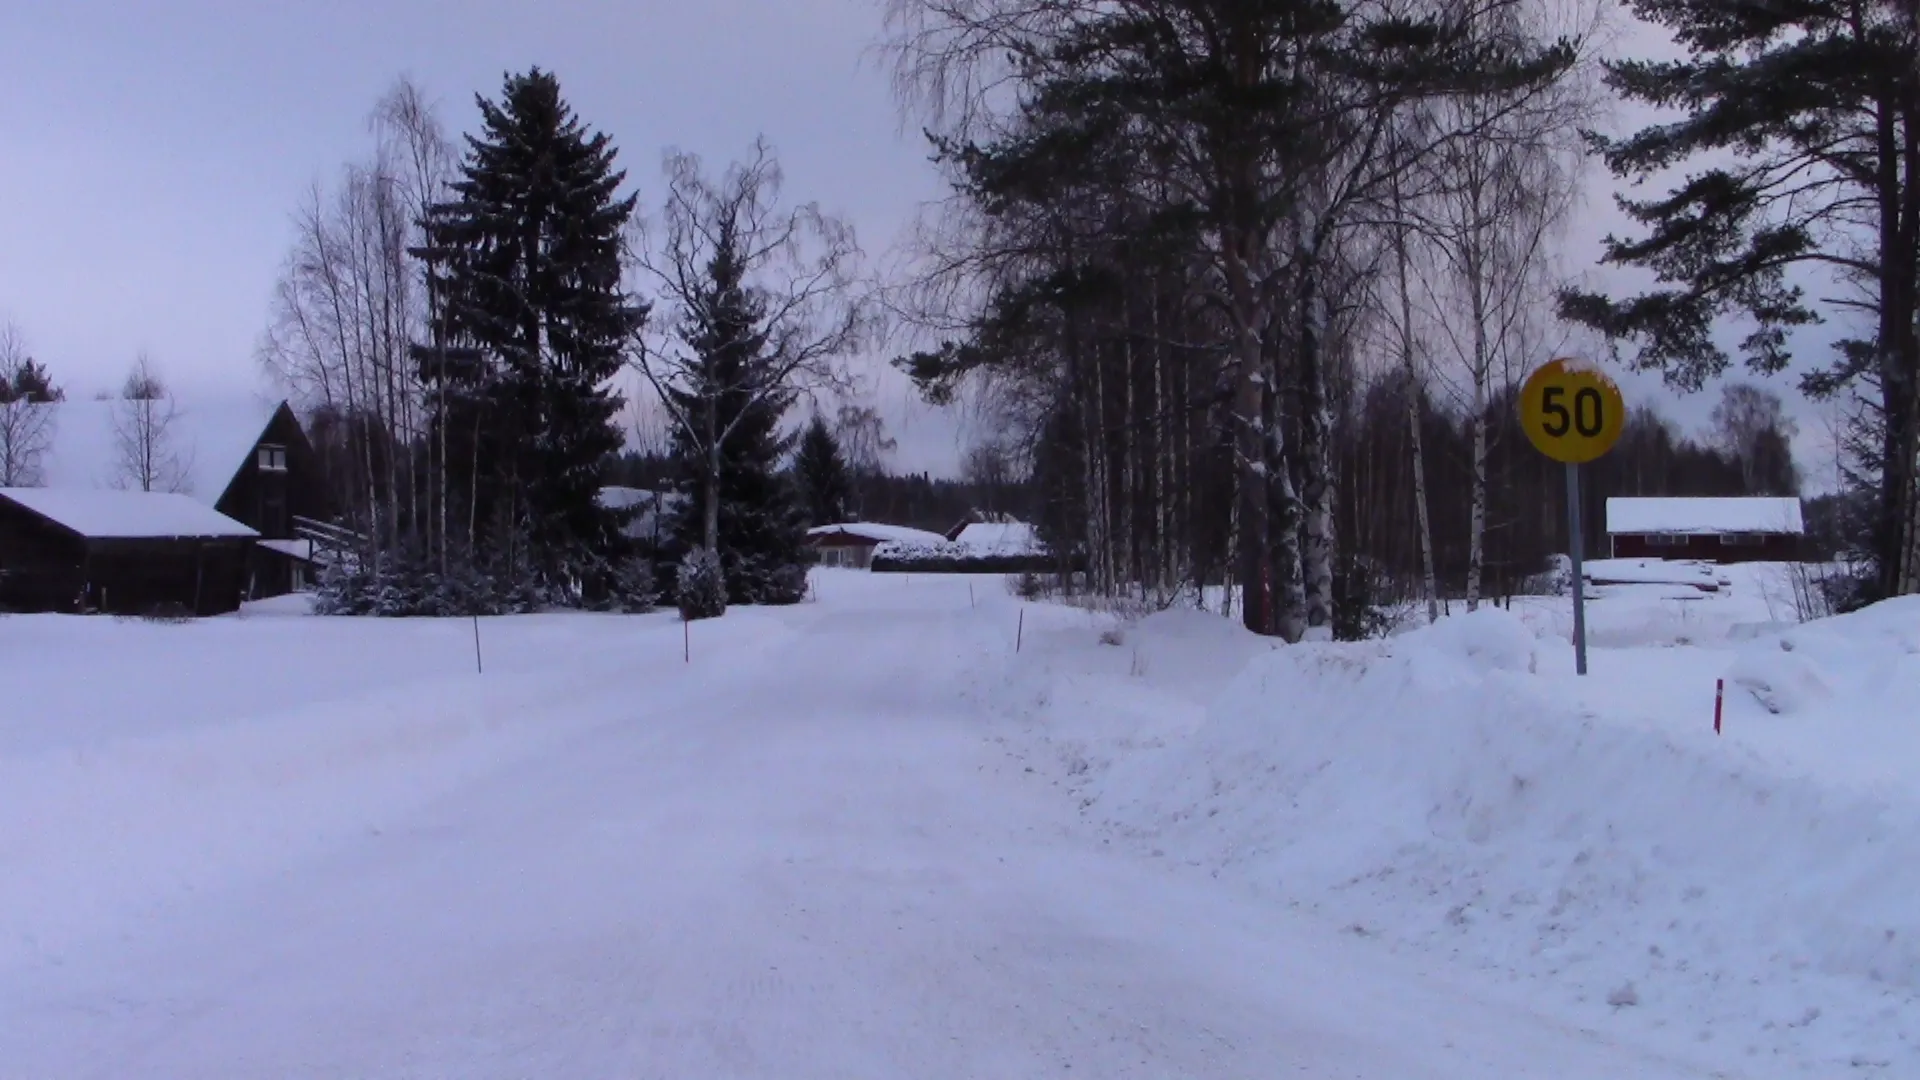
{"points": [[809, 862]]}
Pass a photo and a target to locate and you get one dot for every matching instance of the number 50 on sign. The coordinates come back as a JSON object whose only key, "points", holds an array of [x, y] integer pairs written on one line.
{"points": [[1571, 412]]}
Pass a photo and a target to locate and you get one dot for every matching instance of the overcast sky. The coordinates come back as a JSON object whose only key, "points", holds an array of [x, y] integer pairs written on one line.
{"points": [[150, 153]]}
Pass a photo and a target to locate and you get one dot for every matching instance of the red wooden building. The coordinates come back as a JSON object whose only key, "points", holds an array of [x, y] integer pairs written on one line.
{"points": [[1722, 530]]}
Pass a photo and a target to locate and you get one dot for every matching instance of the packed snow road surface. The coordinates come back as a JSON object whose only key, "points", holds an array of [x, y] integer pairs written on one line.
{"points": [[802, 855]]}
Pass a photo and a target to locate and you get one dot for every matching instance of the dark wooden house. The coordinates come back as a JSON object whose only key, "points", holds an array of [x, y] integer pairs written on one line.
{"points": [[1720, 530], [249, 460], [121, 552]]}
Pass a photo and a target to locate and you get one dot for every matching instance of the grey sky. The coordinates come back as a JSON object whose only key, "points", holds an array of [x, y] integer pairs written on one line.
{"points": [[150, 153]]}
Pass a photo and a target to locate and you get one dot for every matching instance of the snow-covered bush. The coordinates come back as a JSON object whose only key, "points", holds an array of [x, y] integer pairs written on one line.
{"points": [[1555, 580], [947, 557], [1028, 585], [702, 586], [633, 586]]}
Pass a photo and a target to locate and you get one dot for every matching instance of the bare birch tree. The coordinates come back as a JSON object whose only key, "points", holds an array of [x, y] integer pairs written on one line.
{"points": [[146, 455], [26, 425], [1497, 197], [798, 315], [347, 313]]}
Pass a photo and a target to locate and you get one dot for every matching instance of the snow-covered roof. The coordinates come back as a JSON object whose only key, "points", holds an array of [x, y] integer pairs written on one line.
{"points": [[208, 440], [999, 538], [293, 549], [614, 497], [877, 532], [647, 521], [1627, 516], [105, 514]]}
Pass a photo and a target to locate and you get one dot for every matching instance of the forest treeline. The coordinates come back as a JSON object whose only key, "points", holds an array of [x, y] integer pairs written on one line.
{"points": [[1243, 288], [1250, 285]]}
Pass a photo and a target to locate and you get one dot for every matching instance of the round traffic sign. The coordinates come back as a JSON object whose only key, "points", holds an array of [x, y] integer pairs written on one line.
{"points": [[1571, 411]]}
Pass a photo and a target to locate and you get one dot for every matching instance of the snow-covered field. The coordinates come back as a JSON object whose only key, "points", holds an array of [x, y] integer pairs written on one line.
{"points": [[863, 837]]}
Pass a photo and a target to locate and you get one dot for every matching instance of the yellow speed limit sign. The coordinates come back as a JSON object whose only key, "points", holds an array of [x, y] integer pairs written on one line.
{"points": [[1571, 411]]}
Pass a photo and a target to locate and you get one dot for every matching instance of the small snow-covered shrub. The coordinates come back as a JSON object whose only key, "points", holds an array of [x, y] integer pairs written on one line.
{"points": [[1555, 580], [786, 585], [701, 591], [1027, 585], [632, 586]]}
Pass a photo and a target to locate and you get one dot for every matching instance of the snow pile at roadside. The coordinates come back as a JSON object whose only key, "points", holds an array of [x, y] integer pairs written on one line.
{"points": [[1701, 575], [1440, 790]]}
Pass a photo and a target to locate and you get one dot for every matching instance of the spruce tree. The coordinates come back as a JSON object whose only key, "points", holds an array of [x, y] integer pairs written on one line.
{"points": [[820, 471], [737, 502], [527, 267]]}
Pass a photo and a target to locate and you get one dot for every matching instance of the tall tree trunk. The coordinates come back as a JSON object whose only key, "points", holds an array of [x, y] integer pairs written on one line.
{"points": [[710, 507], [1250, 468], [1316, 463], [1429, 581], [1477, 422]]}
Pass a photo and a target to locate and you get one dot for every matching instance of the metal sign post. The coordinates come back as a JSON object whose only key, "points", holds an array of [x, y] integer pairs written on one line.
{"points": [[1579, 573], [1573, 413]]}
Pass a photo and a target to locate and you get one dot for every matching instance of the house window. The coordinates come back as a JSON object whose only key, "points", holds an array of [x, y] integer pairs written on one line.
{"points": [[273, 458], [1665, 540], [1740, 539]]}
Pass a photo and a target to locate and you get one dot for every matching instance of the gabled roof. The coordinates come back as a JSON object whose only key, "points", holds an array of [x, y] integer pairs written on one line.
{"points": [[210, 441], [1705, 516], [876, 532], [105, 514], [981, 517], [999, 538]]}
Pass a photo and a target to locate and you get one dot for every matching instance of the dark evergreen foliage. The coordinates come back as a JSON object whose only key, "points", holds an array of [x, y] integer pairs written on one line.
{"points": [[1170, 200], [700, 588], [533, 320], [1811, 114], [730, 468], [29, 382], [826, 487]]}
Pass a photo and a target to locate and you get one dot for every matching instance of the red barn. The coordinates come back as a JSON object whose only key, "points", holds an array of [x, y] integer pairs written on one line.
{"points": [[1728, 530]]}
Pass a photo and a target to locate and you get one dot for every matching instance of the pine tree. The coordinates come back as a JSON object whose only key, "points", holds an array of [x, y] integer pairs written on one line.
{"points": [[738, 503], [821, 472], [527, 268], [1797, 149], [28, 381]]}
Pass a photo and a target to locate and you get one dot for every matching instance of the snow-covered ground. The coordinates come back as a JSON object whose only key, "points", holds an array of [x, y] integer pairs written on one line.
{"points": [[863, 837], [1457, 792]]}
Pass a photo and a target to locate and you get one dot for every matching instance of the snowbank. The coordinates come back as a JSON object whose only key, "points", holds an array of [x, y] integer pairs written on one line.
{"points": [[1700, 575], [1457, 789]]}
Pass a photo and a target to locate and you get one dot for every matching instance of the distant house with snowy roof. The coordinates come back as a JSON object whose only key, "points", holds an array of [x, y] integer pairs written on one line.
{"points": [[1723, 530], [993, 539], [248, 460], [647, 511], [851, 544], [123, 552]]}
